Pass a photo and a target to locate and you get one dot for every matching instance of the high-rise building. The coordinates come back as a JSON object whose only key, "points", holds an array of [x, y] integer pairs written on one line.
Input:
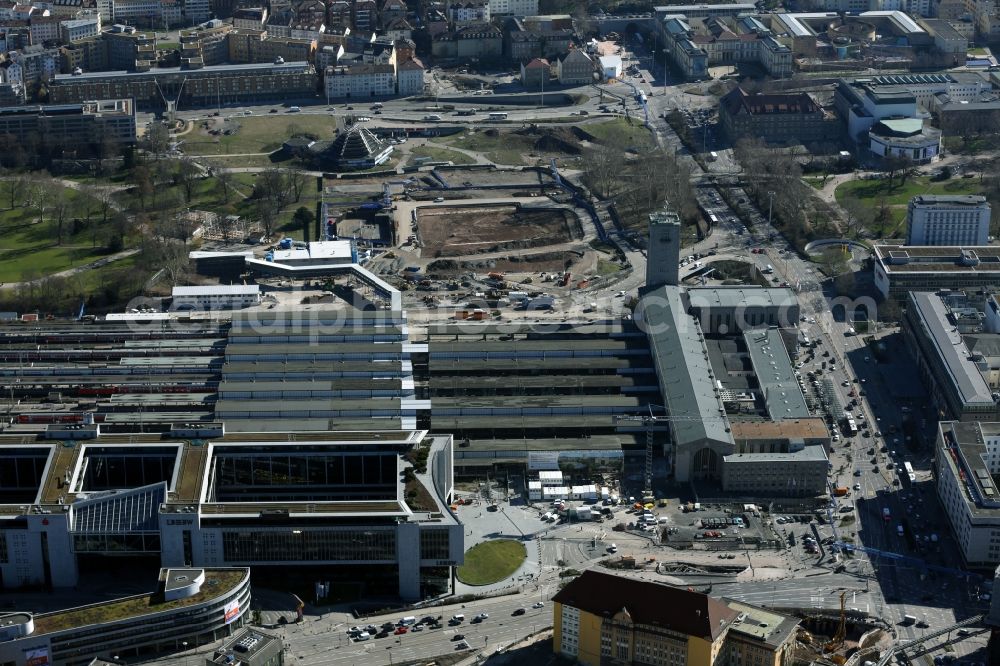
{"points": [[934, 219], [664, 251]]}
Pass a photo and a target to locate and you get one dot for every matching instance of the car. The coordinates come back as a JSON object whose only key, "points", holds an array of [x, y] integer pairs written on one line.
{"points": [[520, 611], [273, 111], [846, 509], [400, 630], [439, 200], [382, 634], [458, 637], [388, 626], [355, 630], [363, 636], [857, 486], [350, 108], [417, 627], [875, 468], [537, 604]]}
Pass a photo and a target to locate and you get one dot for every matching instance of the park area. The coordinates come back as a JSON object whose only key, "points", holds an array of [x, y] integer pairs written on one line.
{"points": [[879, 205], [453, 231], [491, 562], [253, 135], [528, 145]]}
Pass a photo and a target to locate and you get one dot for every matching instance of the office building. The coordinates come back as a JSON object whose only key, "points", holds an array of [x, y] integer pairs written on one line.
{"points": [[513, 7], [128, 48], [197, 496], [903, 268], [934, 219], [777, 118], [601, 618], [966, 464], [664, 250], [786, 458], [76, 29], [215, 297], [190, 606], [957, 355], [85, 124], [360, 81], [209, 86]]}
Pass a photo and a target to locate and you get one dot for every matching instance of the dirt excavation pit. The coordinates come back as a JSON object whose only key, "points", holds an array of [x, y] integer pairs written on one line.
{"points": [[465, 231]]}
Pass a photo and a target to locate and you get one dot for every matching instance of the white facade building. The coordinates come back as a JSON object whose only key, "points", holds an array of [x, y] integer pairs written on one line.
{"points": [[948, 220], [409, 78], [514, 7], [365, 81], [76, 29], [967, 459], [216, 297]]}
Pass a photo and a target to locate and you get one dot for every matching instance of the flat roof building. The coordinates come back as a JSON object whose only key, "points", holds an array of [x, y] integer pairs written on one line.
{"points": [[190, 605], [82, 124], [935, 219], [967, 462], [199, 496], [212, 85], [899, 269], [215, 297], [958, 364]]}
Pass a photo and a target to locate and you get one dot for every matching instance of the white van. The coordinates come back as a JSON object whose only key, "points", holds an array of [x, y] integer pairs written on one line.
{"points": [[363, 636], [407, 621], [613, 548], [294, 109], [458, 618]]}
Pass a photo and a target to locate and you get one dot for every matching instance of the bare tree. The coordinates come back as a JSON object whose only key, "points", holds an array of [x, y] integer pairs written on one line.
{"points": [[60, 211], [224, 184], [297, 182], [187, 176], [16, 187]]}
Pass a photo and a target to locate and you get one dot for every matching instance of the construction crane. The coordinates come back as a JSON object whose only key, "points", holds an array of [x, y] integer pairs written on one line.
{"points": [[838, 638], [649, 421]]}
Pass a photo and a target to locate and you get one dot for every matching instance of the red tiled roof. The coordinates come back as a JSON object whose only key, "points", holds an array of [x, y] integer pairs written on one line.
{"points": [[655, 604]]}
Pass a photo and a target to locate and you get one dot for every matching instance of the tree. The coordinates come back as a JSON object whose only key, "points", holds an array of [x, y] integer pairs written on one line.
{"points": [[297, 182], [859, 217], [224, 184], [39, 194], [303, 217], [158, 138], [142, 176], [60, 212], [16, 187], [187, 175]]}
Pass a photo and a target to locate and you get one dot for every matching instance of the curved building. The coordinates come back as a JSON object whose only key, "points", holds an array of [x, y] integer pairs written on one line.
{"points": [[190, 606]]}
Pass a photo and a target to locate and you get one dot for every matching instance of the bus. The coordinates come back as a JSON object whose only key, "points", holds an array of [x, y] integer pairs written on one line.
{"points": [[851, 427], [909, 472], [498, 115], [713, 219]]}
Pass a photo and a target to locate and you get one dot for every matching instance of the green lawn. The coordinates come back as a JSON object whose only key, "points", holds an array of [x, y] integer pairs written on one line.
{"points": [[870, 193], [257, 134], [499, 148], [874, 190], [619, 132], [440, 155], [491, 562], [29, 249]]}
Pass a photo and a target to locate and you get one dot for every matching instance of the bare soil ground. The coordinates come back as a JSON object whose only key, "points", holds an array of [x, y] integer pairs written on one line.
{"points": [[465, 231]]}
